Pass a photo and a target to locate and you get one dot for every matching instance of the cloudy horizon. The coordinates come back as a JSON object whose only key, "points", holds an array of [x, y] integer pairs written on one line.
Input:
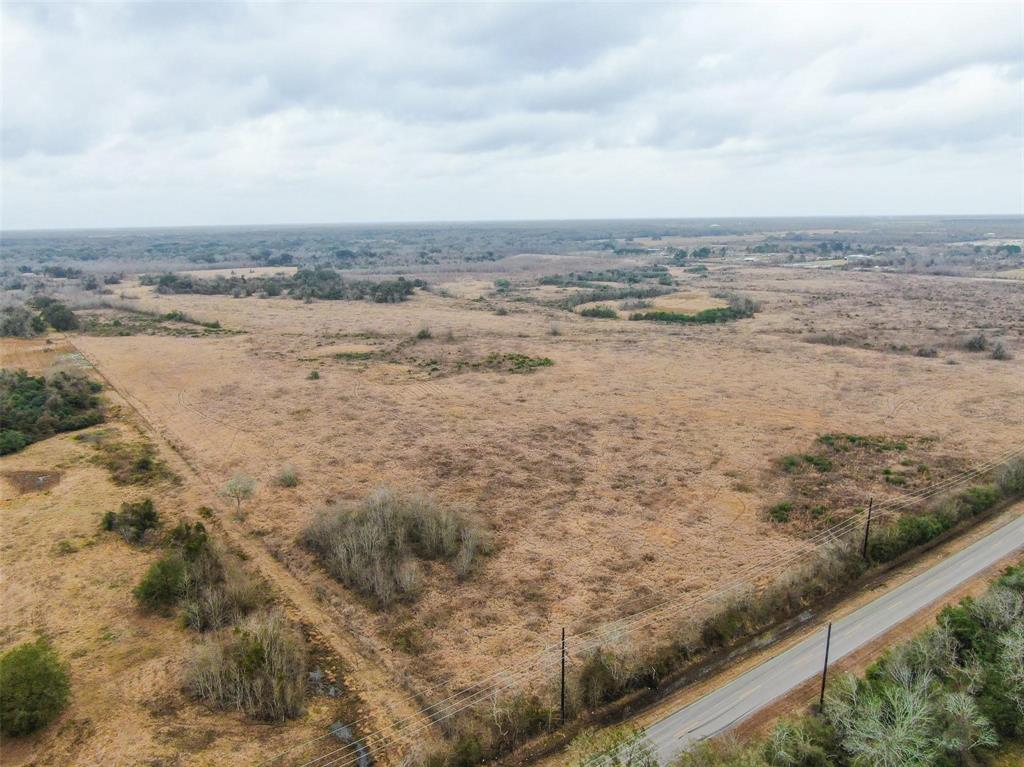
{"points": [[176, 114]]}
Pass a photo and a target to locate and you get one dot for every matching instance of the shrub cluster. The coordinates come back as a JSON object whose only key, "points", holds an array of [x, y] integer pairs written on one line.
{"points": [[513, 362], [134, 521], [373, 548], [22, 322], [258, 669], [131, 463], [33, 688], [36, 407], [321, 282], [607, 293], [600, 312], [705, 317], [915, 529], [210, 585]]}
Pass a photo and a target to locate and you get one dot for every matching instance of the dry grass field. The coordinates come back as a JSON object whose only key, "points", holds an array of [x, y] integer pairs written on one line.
{"points": [[639, 464], [65, 580]]}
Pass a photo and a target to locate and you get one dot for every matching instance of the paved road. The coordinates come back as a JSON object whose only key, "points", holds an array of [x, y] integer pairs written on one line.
{"points": [[760, 686]]}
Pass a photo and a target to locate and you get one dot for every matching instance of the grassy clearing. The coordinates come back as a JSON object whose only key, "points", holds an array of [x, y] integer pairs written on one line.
{"points": [[373, 548]]}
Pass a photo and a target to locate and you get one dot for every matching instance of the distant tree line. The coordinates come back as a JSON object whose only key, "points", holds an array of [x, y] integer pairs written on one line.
{"points": [[322, 283]]}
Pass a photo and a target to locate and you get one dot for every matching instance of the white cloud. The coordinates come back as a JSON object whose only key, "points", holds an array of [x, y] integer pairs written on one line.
{"points": [[180, 113]]}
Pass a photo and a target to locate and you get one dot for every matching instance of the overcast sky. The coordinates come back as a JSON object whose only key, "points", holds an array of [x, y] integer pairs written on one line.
{"points": [[166, 114]]}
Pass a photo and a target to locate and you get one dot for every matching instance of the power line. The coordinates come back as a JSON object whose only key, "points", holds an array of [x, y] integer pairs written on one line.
{"points": [[827, 537]]}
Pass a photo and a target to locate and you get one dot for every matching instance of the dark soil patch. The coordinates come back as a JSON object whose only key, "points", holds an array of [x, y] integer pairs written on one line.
{"points": [[32, 481]]}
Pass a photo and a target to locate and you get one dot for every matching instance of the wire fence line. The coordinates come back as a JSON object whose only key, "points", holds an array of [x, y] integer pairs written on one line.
{"points": [[543, 663]]}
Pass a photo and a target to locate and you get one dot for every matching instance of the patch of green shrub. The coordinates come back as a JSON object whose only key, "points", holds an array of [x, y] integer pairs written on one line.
{"points": [[287, 477], [34, 688], [976, 343], [980, 498], [705, 317], [36, 407], [780, 511], [600, 312], [516, 363], [131, 463], [163, 585], [59, 317], [999, 352], [133, 521], [19, 322]]}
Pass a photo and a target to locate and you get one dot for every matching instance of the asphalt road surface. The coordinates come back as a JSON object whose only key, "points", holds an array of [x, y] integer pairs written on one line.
{"points": [[735, 701]]}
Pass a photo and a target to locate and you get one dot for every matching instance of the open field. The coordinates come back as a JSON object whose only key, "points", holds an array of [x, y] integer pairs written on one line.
{"points": [[638, 464], [610, 464]]}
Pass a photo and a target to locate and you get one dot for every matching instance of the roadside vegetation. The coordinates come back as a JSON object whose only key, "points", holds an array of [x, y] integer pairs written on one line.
{"points": [[954, 695], [375, 548], [605, 676], [33, 408]]}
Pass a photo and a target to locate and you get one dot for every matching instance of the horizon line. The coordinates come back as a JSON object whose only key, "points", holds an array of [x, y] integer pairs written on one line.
{"points": [[463, 222]]}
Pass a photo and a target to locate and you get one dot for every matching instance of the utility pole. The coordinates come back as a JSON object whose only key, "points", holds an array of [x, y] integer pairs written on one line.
{"points": [[824, 671], [867, 529], [563, 675]]}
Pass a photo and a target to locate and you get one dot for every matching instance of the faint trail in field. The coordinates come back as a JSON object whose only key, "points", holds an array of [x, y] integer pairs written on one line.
{"points": [[373, 682]]}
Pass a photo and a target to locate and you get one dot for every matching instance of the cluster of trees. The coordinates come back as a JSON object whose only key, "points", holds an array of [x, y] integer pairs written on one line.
{"points": [[321, 282], [33, 318], [679, 256], [589, 278], [36, 407]]}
